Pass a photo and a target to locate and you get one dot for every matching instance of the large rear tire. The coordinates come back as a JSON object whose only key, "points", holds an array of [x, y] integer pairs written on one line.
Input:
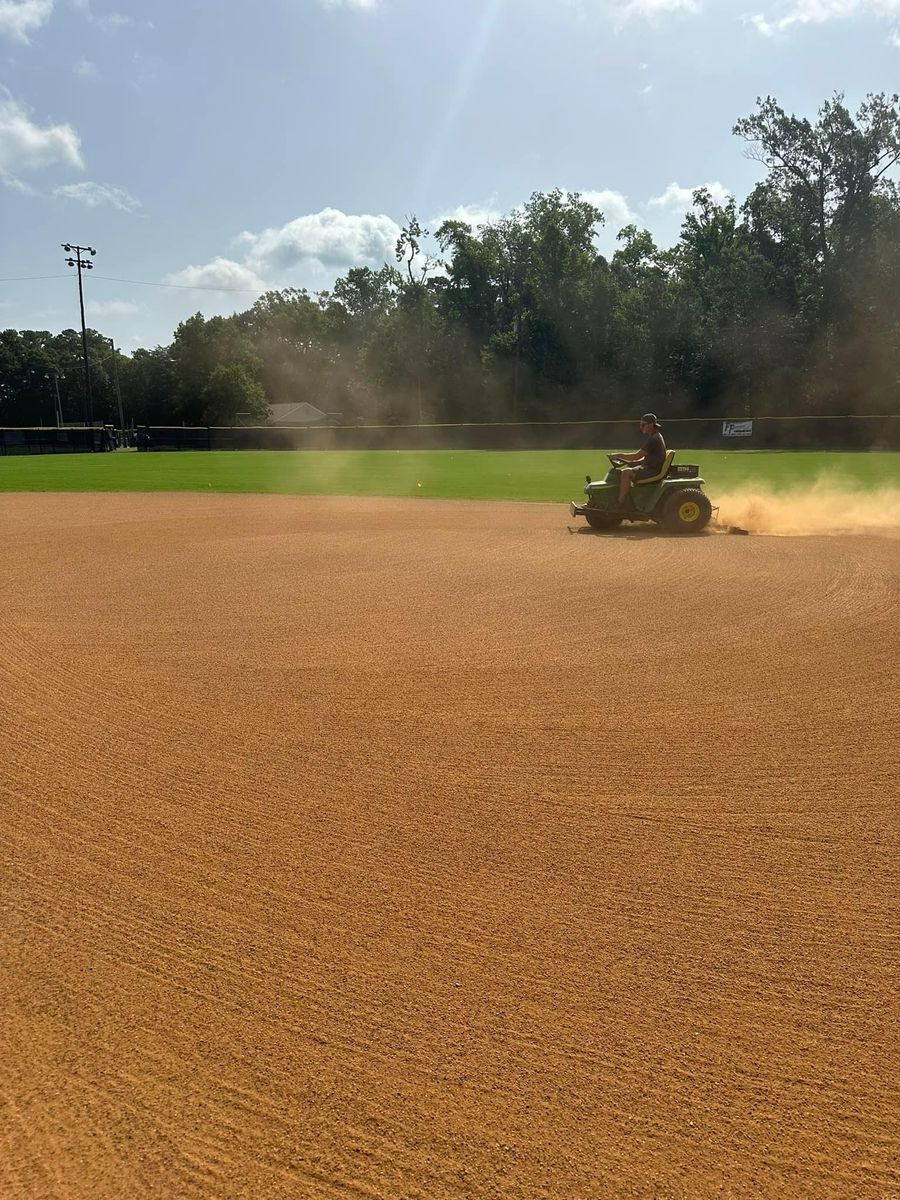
{"points": [[601, 520], [687, 510]]}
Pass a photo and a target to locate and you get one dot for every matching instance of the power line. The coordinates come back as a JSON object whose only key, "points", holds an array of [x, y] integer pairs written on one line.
{"points": [[30, 278], [143, 283], [191, 287]]}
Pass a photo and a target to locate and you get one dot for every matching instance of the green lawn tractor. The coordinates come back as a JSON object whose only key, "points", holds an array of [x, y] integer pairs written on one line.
{"points": [[673, 499]]}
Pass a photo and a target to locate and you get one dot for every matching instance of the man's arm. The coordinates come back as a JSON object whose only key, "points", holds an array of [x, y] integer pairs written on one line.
{"points": [[630, 458]]}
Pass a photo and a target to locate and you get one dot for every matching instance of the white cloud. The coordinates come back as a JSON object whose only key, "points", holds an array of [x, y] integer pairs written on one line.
{"points": [[613, 205], [679, 199], [222, 273], [471, 214], [110, 22], [25, 145], [894, 38], [19, 18], [759, 23], [85, 69], [321, 245], [364, 5], [650, 9], [330, 237], [817, 12], [99, 195], [15, 184], [112, 308]]}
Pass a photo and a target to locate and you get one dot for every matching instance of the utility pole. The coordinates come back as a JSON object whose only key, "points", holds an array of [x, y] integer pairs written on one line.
{"points": [[118, 389], [83, 264], [57, 412]]}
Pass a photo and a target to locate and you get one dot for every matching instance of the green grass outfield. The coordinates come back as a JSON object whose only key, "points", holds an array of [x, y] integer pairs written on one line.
{"points": [[554, 475]]}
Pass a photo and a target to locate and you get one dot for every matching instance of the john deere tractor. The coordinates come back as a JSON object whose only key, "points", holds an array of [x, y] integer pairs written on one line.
{"points": [[673, 499]]}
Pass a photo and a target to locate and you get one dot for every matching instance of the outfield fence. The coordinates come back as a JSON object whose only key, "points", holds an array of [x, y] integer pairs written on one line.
{"points": [[764, 433], [50, 441], [711, 433]]}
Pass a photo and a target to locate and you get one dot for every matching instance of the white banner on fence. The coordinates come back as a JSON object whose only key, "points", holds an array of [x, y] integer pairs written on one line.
{"points": [[737, 429]]}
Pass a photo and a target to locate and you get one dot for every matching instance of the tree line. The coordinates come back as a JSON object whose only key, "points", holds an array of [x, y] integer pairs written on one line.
{"points": [[786, 304]]}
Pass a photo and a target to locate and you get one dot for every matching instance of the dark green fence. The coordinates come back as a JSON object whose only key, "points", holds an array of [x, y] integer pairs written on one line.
{"points": [[702, 433], [50, 441], [764, 433]]}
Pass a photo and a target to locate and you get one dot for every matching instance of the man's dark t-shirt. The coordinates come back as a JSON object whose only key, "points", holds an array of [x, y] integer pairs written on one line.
{"points": [[654, 452]]}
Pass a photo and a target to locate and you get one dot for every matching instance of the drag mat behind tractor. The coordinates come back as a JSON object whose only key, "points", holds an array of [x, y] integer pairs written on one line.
{"points": [[416, 849]]}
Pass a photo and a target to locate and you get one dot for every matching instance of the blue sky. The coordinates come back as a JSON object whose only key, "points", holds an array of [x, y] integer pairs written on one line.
{"points": [[221, 144]]}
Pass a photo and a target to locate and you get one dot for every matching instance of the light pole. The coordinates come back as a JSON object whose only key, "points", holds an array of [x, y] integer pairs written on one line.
{"points": [[83, 264]]}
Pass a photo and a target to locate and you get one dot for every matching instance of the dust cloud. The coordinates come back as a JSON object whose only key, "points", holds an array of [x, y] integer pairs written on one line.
{"points": [[828, 507]]}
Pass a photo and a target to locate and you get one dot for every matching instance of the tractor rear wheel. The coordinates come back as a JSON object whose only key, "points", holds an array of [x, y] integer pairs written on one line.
{"points": [[687, 510], [601, 520]]}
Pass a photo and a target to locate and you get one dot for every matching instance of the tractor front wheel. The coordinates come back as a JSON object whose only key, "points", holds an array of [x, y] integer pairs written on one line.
{"points": [[686, 511], [601, 520]]}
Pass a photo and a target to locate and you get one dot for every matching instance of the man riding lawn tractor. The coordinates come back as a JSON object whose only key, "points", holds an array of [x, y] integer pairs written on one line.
{"points": [[647, 486], [647, 463]]}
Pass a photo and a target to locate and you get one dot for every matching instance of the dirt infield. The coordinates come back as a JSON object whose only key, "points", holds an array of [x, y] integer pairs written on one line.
{"points": [[424, 850]]}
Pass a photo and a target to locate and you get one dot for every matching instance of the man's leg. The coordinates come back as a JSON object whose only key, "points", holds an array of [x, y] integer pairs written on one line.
{"points": [[625, 476]]}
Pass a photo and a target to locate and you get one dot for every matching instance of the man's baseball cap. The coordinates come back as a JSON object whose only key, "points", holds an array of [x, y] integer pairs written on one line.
{"points": [[650, 419]]}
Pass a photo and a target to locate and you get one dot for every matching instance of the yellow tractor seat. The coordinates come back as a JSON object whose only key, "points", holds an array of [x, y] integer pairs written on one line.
{"points": [[667, 462]]}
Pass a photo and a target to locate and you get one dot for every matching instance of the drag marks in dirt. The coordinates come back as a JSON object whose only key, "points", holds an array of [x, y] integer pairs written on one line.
{"points": [[338, 861]]}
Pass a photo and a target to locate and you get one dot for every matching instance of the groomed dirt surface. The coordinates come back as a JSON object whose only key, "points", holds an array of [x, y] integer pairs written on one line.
{"points": [[422, 849]]}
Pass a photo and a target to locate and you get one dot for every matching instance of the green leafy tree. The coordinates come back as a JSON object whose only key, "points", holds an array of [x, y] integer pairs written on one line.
{"points": [[149, 383], [200, 347], [827, 174], [816, 218], [399, 349], [365, 295], [231, 392], [33, 363]]}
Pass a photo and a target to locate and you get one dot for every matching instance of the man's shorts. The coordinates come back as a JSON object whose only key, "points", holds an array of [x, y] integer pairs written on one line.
{"points": [[643, 472]]}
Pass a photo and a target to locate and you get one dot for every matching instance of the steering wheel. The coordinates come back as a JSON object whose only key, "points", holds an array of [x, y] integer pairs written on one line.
{"points": [[615, 459]]}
